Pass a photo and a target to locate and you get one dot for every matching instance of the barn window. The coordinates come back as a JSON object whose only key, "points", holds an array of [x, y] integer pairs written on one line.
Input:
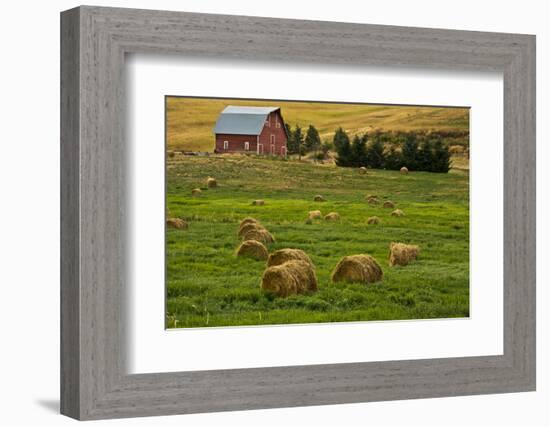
{"points": [[277, 123], [246, 145], [225, 145], [273, 139]]}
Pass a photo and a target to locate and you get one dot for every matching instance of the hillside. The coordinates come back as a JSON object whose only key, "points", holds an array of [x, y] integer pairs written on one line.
{"points": [[189, 121]]}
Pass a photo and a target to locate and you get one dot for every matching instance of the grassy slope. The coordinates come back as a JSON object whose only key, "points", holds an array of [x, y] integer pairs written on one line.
{"points": [[190, 120], [208, 286]]}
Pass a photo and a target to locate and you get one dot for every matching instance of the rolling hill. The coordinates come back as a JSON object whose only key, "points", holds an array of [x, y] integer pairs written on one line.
{"points": [[189, 121]]}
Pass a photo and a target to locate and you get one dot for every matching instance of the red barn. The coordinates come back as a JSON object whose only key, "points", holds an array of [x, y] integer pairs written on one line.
{"points": [[259, 130]]}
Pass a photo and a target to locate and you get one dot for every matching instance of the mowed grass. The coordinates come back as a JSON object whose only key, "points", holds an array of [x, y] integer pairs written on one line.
{"points": [[190, 121], [208, 286]]}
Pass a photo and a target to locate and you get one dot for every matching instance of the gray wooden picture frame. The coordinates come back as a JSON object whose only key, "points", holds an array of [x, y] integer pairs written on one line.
{"points": [[94, 381]]}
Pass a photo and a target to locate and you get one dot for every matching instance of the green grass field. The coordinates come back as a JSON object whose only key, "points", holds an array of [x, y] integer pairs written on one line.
{"points": [[208, 286], [190, 121]]}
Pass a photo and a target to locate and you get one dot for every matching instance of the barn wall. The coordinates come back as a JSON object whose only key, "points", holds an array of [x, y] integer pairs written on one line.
{"points": [[271, 128], [236, 143]]}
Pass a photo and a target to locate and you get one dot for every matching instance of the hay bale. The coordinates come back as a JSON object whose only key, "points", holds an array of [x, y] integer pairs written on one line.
{"points": [[363, 170], [283, 255], [252, 249], [248, 220], [260, 235], [403, 171], [249, 226], [373, 220], [402, 254], [397, 212], [332, 216], [314, 215], [319, 198], [389, 204], [373, 201], [196, 192], [357, 268], [294, 277], [258, 202], [211, 182], [177, 223]]}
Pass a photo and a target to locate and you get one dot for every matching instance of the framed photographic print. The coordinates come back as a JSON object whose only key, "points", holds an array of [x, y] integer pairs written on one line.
{"points": [[294, 213]]}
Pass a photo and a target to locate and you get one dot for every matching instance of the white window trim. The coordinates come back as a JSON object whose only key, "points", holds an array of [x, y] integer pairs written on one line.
{"points": [[272, 138], [246, 146], [226, 145]]}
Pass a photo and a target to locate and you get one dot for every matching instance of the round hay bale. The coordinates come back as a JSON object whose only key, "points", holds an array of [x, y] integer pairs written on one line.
{"points": [[373, 201], [294, 277], [248, 220], [196, 192], [258, 202], [403, 171], [177, 223], [211, 182], [249, 226], [332, 216], [283, 255], [397, 212], [373, 220], [357, 268], [260, 235], [252, 249], [363, 170], [314, 215], [402, 254], [389, 204], [319, 198]]}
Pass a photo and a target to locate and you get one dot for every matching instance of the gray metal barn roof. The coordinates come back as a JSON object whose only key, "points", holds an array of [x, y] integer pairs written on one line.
{"points": [[238, 120]]}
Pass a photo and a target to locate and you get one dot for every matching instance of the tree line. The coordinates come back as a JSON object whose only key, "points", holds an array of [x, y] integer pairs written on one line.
{"points": [[418, 151]]}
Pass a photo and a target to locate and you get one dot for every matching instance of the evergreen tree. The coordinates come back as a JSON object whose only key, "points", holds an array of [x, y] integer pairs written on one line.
{"points": [[425, 158], [297, 140], [358, 151], [291, 145], [392, 159], [375, 153], [442, 157], [340, 138], [409, 153], [312, 141], [343, 148]]}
